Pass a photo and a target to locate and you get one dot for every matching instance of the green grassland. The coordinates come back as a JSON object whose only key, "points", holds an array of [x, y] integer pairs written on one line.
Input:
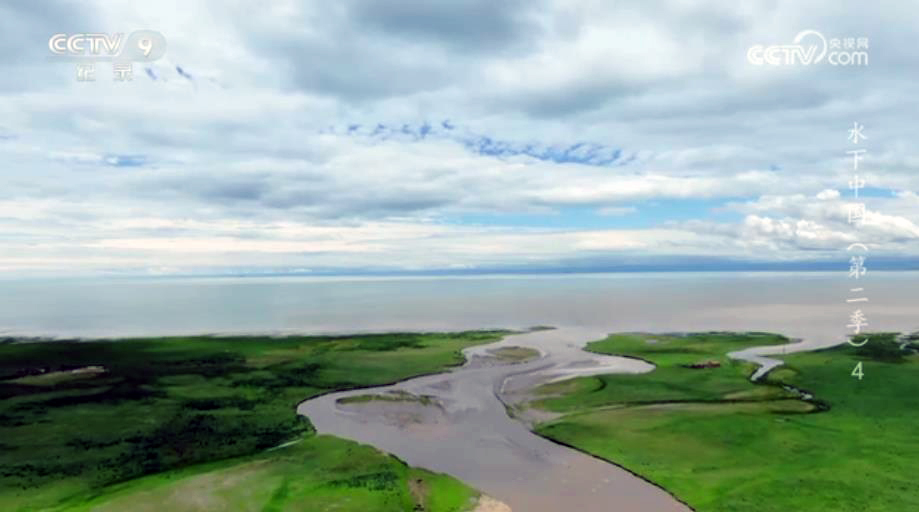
{"points": [[316, 474], [721, 443], [168, 407]]}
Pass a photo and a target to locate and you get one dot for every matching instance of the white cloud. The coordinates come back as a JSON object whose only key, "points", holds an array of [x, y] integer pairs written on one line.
{"points": [[828, 194], [250, 162]]}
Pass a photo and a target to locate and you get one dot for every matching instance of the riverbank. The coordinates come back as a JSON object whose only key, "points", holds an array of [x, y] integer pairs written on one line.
{"points": [[80, 422], [721, 442]]}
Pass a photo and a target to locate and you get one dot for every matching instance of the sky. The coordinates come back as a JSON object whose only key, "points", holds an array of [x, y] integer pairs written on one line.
{"points": [[464, 136]]}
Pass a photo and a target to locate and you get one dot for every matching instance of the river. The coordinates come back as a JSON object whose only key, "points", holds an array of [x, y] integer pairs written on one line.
{"points": [[464, 429], [470, 435]]}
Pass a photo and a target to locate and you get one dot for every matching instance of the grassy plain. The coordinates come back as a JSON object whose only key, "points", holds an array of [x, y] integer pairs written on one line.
{"points": [[316, 474], [722, 443], [81, 421]]}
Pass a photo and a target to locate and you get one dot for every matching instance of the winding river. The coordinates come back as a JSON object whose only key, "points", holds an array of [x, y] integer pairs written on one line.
{"points": [[469, 434]]}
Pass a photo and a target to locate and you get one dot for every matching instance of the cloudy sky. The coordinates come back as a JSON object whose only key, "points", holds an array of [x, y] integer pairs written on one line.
{"points": [[419, 135]]}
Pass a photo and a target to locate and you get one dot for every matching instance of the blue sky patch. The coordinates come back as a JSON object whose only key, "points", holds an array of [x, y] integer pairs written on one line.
{"points": [[645, 215], [125, 160]]}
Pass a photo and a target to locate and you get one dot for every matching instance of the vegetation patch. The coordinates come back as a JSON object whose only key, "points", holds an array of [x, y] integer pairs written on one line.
{"points": [[320, 473], [722, 443], [514, 354], [169, 405], [392, 396]]}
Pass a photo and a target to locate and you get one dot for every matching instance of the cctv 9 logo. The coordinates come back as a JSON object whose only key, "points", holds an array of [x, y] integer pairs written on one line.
{"points": [[139, 46]]}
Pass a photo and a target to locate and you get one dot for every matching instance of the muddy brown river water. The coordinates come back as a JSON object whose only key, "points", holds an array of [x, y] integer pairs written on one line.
{"points": [[469, 434]]}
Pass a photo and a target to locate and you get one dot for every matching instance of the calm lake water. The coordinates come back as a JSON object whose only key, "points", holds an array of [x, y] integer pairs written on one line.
{"points": [[797, 304]]}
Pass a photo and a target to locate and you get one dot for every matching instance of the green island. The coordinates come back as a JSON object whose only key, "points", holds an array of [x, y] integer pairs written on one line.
{"points": [[392, 396], [810, 436], [186, 423], [514, 354]]}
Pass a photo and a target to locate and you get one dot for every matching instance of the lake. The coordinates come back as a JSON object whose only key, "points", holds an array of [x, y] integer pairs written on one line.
{"points": [[799, 304]]}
